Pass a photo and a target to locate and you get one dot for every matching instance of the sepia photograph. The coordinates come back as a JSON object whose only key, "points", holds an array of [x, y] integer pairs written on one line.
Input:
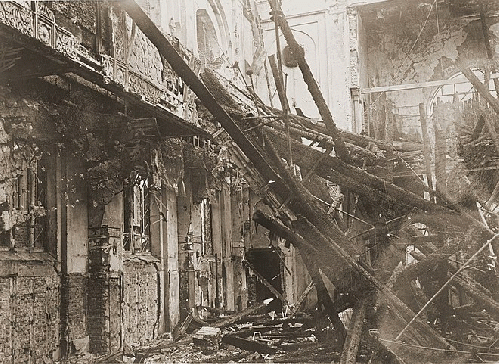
{"points": [[249, 181]]}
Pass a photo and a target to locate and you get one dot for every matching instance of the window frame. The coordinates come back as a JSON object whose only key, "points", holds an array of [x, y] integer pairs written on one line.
{"points": [[137, 215]]}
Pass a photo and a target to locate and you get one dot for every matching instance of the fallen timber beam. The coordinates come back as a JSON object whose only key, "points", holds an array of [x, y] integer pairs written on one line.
{"points": [[309, 79], [281, 91], [349, 353], [284, 187], [168, 51], [363, 141], [241, 315], [357, 154], [481, 88], [355, 179], [262, 279], [301, 299], [488, 47], [249, 345]]}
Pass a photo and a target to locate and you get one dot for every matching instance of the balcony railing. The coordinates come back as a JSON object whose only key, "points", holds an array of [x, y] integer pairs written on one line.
{"points": [[130, 61]]}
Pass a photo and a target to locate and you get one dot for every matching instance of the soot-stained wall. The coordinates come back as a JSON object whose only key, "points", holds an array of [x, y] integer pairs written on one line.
{"points": [[415, 42], [29, 311], [140, 301]]}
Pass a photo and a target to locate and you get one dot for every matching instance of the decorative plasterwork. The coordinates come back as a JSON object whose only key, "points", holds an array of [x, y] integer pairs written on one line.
{"points": [[136, 66]]}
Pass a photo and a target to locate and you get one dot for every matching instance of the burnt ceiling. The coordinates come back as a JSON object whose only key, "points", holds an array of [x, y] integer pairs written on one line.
{"points": [[419, 10]]}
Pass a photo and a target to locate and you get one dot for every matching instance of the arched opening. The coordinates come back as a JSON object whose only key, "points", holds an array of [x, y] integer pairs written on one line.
{"points": [[461, 88], [208, 46]]}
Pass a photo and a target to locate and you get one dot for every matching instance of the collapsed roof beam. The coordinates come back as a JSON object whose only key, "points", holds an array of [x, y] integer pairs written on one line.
{"points": [[309, 79], [168, 51]]}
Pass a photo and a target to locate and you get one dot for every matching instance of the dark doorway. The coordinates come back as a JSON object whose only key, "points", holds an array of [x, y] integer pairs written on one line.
{"points": [[266, 261]]}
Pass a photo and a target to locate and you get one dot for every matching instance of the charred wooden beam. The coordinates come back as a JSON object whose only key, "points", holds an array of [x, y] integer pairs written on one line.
{"points": [[486, 39], [281, 91], [349, 353], [357, 139], [301, 299], [168, 51], [262, 279], [359, 155], [355, 179], [481, 88], [309, 79], [241, 315], [249, 345], [279, 84]]}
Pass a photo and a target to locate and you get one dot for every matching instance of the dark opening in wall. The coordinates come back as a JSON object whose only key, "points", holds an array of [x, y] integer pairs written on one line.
{"points": [[266, 261]]}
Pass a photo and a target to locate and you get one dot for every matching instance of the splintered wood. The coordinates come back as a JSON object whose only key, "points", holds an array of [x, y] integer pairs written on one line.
{"points": [[361, 256]]}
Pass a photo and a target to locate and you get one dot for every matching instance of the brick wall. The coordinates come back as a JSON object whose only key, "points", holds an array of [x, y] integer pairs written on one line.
{"points": [[100, 286], [29, 312]]}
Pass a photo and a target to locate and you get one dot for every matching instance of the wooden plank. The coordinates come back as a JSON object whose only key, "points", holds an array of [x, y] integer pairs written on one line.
{"points": [[279, 84], [302, 298], [415, 86], [249, 345], [426, 145], [488, 46], [281, 91], [241, 315]]}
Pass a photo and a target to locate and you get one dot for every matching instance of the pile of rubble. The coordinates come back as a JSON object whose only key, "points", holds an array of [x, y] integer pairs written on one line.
{"points": [[357, 244], [254, 335]]}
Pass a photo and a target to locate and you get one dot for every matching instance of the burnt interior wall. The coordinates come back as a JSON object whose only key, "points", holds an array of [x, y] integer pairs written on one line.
{"points": [[29, 315], [414, 43], [29, 274], [140, 301]]}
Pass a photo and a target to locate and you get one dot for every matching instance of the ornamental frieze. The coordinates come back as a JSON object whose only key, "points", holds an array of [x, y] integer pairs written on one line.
{"points": [[135, 63], [17, 16]]}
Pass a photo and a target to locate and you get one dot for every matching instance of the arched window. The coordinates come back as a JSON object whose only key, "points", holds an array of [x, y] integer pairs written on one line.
{"points": [[208, 46], [462, 89]]}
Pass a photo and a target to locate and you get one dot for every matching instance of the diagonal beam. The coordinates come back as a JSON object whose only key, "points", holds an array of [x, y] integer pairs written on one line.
{"points": [[309, 79], [481, 88], [168, 51], [266, 283]]}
